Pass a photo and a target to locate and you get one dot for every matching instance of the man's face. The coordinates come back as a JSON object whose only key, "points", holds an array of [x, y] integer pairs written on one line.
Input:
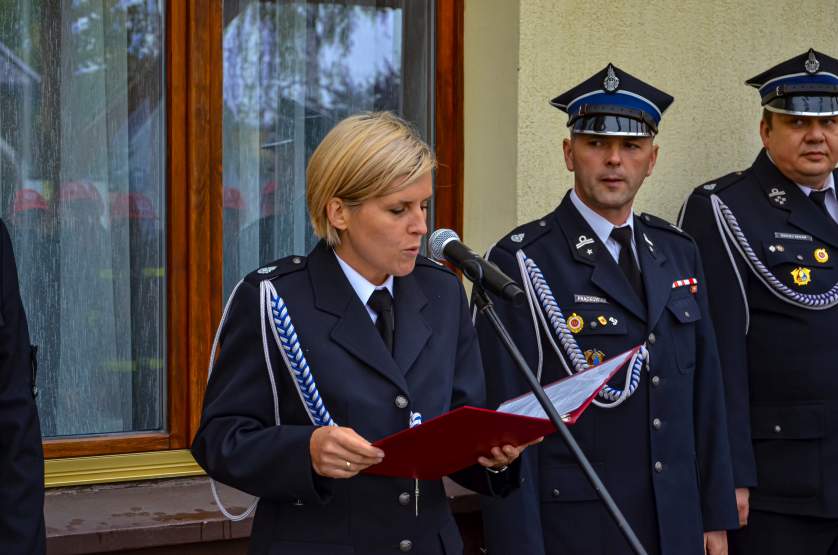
{"points": [[609, 171], [805, 149]]}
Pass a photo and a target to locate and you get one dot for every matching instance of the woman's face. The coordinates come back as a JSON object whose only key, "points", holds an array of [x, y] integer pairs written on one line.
{"points": [[381, 236]]}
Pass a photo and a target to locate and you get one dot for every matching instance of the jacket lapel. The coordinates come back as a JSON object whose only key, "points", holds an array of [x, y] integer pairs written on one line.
{"points": [[657, 280], [412, 330], [783, 194], [354, 330], [587, 249]]}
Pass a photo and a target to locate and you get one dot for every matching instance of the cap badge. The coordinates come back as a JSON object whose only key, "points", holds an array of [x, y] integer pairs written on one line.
{"points": [[611, 81], [575, 323], [802, 276], [583, 241], [266, 270], [594, 357], [812, 64], [821, 256], [516, 238]]}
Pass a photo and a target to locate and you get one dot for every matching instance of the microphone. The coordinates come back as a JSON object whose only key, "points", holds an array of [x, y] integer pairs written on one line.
{"points": [[446, 245]]}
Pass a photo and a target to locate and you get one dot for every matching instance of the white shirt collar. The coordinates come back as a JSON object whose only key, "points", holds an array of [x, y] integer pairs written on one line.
{"points": [[600, 225], [363, 288], [830, 184]]}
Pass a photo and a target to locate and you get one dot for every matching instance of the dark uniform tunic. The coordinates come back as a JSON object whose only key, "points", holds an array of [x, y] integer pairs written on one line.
{"points": [[780, 361], [435, 366], [21, 454], [662, 453]]}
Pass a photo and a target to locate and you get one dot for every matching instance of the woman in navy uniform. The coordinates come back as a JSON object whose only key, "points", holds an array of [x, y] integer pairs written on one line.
{"points": [[601, 280], [381, 339], [769, 239], [21, 454]]}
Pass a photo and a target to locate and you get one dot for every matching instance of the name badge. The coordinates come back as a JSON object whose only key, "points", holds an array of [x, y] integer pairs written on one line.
{"points": [[792, 236], [589, 299]]}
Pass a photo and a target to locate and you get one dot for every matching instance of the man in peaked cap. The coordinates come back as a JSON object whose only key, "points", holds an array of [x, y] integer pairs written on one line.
{"points": [[769, 240], [657, 434]]}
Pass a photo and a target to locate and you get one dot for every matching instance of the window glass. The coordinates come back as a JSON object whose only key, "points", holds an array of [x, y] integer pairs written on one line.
{"points": [[82, 189], [292, 69]]}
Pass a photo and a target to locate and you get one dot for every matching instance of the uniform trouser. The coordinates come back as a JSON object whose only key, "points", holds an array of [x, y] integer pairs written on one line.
{"points": [[774, 533]]}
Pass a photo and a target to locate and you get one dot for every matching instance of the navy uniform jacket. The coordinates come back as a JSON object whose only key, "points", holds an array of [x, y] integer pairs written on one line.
{"points": [[675, 417], [435, 366], [21, 454], [780, 361]]}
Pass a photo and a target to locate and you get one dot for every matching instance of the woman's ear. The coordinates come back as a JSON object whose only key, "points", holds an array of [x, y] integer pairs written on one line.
{"points": [[338, 213]]}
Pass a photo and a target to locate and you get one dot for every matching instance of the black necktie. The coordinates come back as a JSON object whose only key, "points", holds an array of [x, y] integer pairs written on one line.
{"points": [[626, 260], [819, 198], [382, 303]]}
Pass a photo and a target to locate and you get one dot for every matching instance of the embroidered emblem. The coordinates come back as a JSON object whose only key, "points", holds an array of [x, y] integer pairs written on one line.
{"points": [[588, 299], [611, 81], [517, 238], [583, 240], [594, 357], [802, 276], [709, 187], [812, 65], [602, 320], [575, 323], [821, 256], [792, 236], [777, 196], [684, 282], [266, 270]]}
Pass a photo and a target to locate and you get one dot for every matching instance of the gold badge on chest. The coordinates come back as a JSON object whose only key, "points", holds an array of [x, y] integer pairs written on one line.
{"points": [[594, 357], [821, 256], [802, 276], [575, 323]]}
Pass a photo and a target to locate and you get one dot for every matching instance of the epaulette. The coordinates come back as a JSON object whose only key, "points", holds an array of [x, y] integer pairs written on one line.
{"points": [[524, 235], [277, 268], [660, 223], [426, 262], [719, 185]]}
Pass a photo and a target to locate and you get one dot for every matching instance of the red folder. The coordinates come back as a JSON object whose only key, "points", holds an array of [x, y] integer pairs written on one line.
{"points": [[454, 440]]}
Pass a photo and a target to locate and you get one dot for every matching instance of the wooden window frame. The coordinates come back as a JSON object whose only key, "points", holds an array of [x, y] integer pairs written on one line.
{"points": [[193, 44]]}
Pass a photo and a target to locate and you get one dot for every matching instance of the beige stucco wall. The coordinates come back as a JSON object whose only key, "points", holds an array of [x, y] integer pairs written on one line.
{"points": [[701, 52]]}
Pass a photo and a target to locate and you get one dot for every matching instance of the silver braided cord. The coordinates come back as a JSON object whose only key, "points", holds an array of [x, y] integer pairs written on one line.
{"points": [[817, 301], [612, 396]]}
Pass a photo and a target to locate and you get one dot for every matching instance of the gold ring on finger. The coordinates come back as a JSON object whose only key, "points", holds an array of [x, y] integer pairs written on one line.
{"points": [[348, 465]]}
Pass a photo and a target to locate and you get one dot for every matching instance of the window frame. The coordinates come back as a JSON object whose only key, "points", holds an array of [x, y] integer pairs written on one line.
{"points": [[193, 73]]}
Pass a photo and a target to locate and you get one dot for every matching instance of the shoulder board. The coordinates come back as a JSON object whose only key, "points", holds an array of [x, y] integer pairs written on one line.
{"points": [[660, 223], [277, 268], [524, 235], [720, 184], [426, 262]]}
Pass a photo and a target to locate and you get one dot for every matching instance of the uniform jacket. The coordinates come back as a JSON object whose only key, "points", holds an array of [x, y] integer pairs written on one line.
{"points": [[780, 361], [675, 417], [435, 367], [21, 454]]}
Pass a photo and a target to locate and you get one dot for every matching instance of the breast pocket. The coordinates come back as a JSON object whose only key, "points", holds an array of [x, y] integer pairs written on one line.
{"points": [[686, 313]]}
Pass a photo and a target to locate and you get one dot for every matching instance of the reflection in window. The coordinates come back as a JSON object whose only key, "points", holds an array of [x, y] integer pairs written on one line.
{"points": [[82, 156], [292, 69]]}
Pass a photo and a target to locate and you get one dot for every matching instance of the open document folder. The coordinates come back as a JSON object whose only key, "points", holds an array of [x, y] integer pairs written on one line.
{"points": [[454, 440]]}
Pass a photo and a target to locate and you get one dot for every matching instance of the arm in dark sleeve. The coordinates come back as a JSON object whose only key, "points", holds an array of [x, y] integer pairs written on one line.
{"points": [[469, 389], [21, 453], [512, 524], [728, 311], [718, 503], [238, 442]]}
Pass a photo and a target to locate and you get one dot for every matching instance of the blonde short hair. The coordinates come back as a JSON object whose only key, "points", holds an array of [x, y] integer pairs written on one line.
{"points": [[364, 156]]}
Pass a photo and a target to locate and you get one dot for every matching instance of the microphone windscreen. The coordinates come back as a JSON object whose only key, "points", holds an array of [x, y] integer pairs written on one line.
{"points": [[439, 239]]}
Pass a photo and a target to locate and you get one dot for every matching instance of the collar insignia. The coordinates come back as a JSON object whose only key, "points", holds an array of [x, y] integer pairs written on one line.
{"points": [[583, 240], [777, 196]]}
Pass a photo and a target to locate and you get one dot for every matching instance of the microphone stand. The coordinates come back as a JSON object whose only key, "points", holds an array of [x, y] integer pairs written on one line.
{"points": [[484, 304]]}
